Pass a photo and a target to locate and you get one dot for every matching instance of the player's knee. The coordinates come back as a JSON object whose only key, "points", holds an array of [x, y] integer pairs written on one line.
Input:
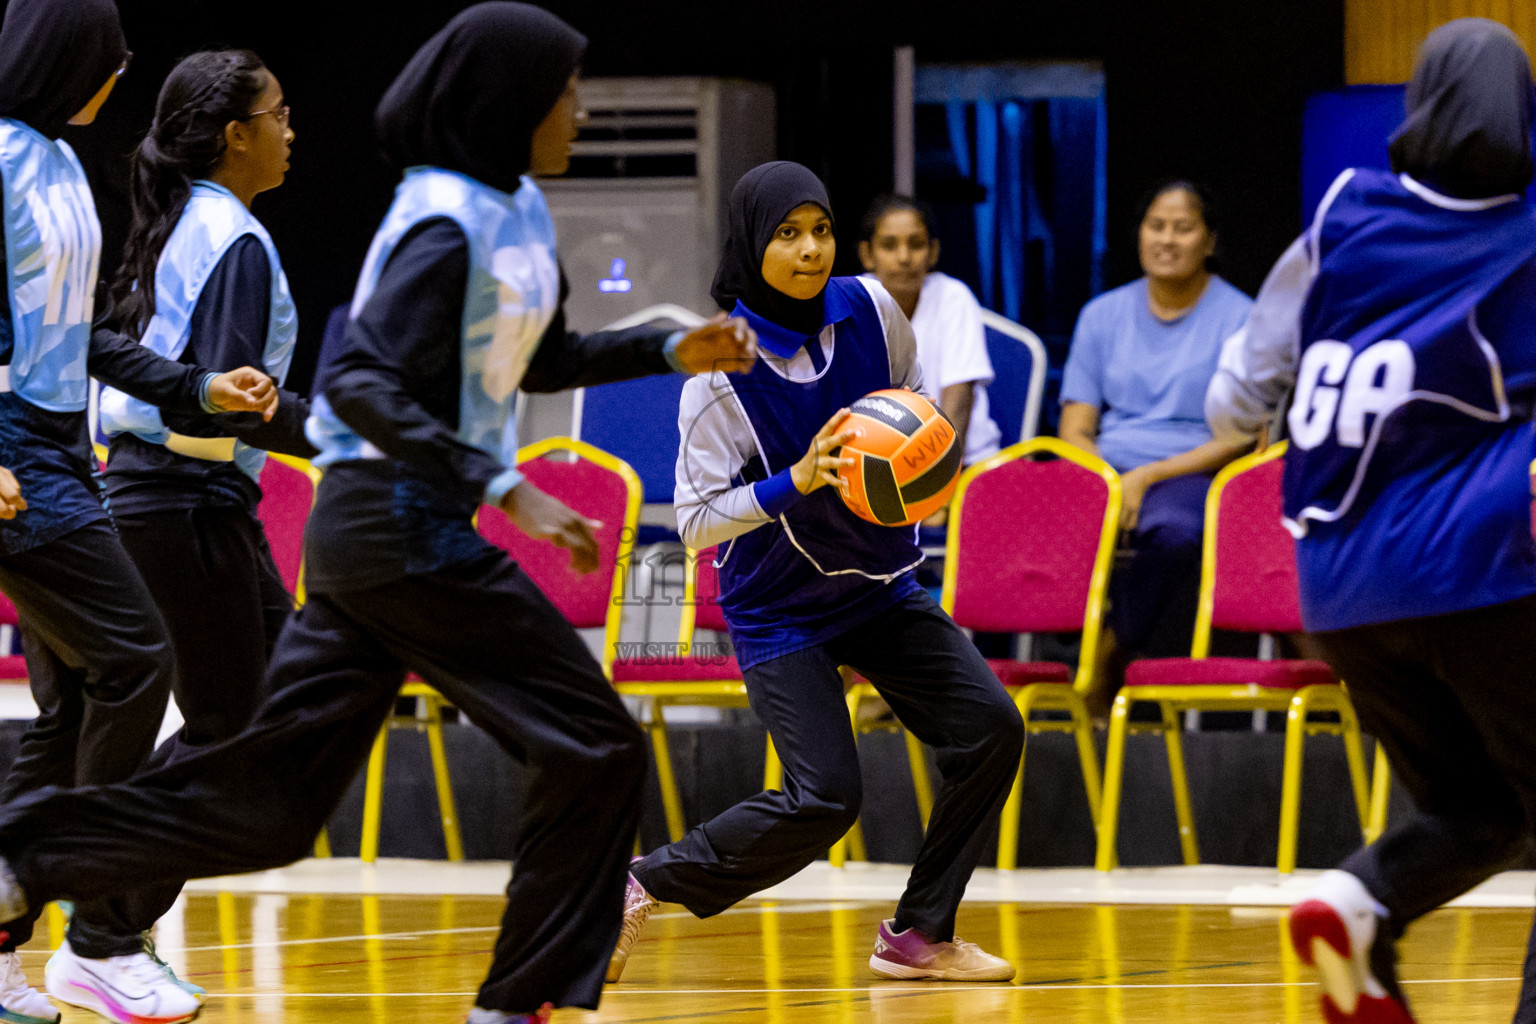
{"points": [[616, 750], [1004, 728], [127, 675], [831, 809]]}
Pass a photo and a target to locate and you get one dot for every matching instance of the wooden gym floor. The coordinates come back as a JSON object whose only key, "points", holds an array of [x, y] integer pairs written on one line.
{"points": [[375, 951]]}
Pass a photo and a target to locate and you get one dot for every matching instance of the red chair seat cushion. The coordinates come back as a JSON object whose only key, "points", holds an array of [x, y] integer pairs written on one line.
{"points": [[1019, 673], [676, 669], [1022, 673], [1279, 675], [13, 666]]}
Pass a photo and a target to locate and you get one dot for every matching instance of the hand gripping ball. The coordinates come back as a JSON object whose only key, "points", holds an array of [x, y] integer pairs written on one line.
{"points": [[906, 458]]}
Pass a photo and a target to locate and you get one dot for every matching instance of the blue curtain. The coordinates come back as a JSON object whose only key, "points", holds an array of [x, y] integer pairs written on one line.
{"points": [[1013, 158], [1031, 142]]}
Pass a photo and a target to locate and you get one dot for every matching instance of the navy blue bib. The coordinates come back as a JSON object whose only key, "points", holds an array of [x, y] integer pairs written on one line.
{"points": [[818, 569]]}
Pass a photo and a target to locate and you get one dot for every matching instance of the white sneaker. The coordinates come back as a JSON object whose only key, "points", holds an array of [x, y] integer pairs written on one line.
{"points": [[20, 1003], [128, 989]]}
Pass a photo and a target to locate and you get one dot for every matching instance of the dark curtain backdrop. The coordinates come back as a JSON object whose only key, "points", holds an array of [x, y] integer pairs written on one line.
{"points": [[1201, 87]]}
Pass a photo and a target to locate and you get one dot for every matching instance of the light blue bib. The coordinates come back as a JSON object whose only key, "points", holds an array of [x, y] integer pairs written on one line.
{"points": [[52, 252], [212, 221], [512, 294]]}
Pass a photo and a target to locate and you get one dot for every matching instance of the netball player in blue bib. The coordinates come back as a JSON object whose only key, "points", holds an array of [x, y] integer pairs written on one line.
{"points": [[201, 284], [807, 586], [97, 655], [1403, 318], [458, 305]]}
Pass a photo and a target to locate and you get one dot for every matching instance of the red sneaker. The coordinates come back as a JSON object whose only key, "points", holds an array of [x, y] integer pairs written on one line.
{"points": [[539, 1016], [1336, 931]]}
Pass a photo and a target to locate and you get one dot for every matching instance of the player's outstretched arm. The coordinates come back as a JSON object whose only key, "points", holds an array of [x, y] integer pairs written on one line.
{"points": [[724, 345], [565, 359], [119, 361], [1258, 362], [544, 517]]}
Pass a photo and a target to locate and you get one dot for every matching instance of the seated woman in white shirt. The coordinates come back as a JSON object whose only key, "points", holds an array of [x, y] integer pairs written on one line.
{"points": [[899, 248]]}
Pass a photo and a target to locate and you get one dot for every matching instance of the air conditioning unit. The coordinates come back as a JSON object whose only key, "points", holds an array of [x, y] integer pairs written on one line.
{"points": [[642, 213]]}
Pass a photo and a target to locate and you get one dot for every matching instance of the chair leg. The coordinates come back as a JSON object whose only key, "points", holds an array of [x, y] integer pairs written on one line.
{"points": [[1354, 753], [58, 924], [447, 807], [1114, 768], [323, 844], [773, 768], [373, 798], [661, 753], [855, 841], [1381, 793], [1290, 778], [1008, 824], [1183, 809], [1082, 731], [918, 759]]}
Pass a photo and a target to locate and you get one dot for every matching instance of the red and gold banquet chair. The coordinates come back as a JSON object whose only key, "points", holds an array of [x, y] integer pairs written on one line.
{"points": [[1029, 550], [600, 487], [1248, 584], [690, 677], [1030, 546]]}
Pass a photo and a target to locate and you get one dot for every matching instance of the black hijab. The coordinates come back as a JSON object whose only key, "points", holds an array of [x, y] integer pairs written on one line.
{"points": [[471, 97], [1468, 131], [759, 203], [54, 56]]}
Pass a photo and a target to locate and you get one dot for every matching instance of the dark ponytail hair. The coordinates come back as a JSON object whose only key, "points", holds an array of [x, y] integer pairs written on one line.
{"points": [[204, 92]]}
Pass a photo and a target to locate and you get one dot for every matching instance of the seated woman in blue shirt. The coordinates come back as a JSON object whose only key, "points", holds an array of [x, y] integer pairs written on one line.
{"points": [[807, 586], [1134, 394]]}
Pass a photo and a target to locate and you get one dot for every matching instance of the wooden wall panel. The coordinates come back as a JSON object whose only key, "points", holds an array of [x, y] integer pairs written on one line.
{"points": [[1382, 37]]}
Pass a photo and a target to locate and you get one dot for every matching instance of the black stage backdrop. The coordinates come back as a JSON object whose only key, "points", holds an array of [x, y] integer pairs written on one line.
{"points": [[1201, 88]]}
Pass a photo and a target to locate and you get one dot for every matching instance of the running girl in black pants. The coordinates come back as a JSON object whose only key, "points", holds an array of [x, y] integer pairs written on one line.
{"points": [[201, 283], [1403, 318], [457, 307], [98, 658]]}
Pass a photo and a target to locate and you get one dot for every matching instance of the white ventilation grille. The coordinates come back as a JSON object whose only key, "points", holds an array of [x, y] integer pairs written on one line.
{"points": [[637, 142]]}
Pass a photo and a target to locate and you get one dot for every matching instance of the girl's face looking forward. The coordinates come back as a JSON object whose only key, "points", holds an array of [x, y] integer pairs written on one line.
{"points": [[1174, 240], [799, 258], [901, 253]]}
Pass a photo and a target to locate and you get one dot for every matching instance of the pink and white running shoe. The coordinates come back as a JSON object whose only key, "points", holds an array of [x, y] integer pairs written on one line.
{"points": [[911, 955]]}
